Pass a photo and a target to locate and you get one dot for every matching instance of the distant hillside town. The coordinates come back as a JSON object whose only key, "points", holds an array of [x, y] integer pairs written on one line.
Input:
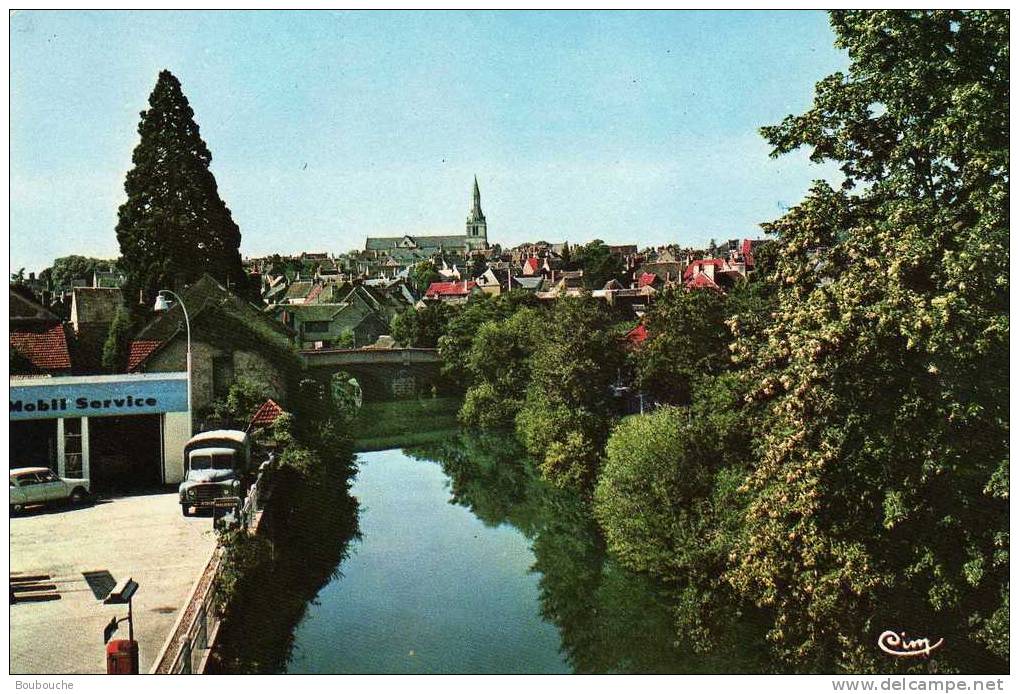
{"points": [[349, 300]]}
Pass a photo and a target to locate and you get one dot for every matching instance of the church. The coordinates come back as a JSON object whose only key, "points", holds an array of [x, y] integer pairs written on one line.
{"points": [[475, 238]]}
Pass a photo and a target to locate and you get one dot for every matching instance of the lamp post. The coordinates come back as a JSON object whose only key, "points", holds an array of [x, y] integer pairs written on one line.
{"points": [[163, 304]]}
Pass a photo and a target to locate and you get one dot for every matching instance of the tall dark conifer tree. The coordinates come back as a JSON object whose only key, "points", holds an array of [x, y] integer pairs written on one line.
{"points": [[174, 226]]}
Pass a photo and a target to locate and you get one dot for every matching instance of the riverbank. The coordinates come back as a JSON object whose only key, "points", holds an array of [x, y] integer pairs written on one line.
{"points": [[400, 423]]}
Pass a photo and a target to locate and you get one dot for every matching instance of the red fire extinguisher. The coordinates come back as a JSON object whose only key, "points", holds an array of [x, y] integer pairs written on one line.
{"points": [[122, 657]]}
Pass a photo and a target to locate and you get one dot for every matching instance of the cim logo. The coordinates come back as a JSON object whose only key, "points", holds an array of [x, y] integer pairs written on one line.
{"points": [[896, 644]]}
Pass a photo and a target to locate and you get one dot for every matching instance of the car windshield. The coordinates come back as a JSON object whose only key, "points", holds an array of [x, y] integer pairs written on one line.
{"points": [[216, 461]]}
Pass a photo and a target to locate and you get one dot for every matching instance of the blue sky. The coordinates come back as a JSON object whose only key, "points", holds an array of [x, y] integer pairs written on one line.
{"points": [[329, 126]]}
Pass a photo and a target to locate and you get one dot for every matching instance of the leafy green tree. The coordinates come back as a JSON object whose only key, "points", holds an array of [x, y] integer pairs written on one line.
{"points": [[241, 402], [18, 277], [687, 338], [598, 263], [880, 495], [65, 270], [499, 363], [568, 411], [668, 502], [115, 348], [174, 226], [422, 327], [460, 332], [420, 276]]}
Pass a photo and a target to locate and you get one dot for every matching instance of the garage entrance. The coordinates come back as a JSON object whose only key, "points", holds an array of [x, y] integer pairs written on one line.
{"points": [[34, 443], [125, 453]]}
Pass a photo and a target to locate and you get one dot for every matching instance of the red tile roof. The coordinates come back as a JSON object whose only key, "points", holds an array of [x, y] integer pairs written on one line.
{"points": [[748, 251], [436, 289], [138, 351], [267, 413], [696, 265], [313, 294], [637, 336], [531, 263], [44, 346], [646, 279], [702, 281]]}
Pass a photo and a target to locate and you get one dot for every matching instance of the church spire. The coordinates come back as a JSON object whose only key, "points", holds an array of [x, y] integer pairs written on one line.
{"points": [[477, 227], [476, 214]]}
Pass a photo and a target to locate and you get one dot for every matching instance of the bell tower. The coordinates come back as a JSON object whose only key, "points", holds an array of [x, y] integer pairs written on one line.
{"points": [[477, 227]]}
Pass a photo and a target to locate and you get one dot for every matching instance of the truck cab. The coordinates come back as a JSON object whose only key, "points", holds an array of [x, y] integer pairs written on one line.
{"points": [[217, 465]]}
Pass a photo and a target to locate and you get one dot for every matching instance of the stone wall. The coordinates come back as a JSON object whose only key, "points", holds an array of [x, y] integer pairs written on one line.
{"points": [[249, 365]]}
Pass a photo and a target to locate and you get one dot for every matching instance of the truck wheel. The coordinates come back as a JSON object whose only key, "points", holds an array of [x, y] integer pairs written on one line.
{"points": [[185, 510]]}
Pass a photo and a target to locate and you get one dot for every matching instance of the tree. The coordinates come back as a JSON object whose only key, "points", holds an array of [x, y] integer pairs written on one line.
{"points": [[499, 363], [18, 277], [422, 327], [667, 500], [65, 270], [568, 411], [598, 263], [115, 348], [174, 226], [687, 338], [881, 492], [421, 276], [460, 331]]}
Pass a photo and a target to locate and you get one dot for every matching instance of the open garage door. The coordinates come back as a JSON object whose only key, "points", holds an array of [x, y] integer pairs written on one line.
{"points": [[125, 453], [34, 443]]}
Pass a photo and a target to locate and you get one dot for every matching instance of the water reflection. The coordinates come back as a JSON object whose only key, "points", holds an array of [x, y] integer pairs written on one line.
{"points": [[609, 619]]}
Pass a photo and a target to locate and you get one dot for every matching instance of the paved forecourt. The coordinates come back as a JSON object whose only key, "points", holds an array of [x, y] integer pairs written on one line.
{"points": [[142, 537]]}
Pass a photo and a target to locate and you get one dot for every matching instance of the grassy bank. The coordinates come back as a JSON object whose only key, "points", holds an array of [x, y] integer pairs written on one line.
{"points": [[400, 423]]}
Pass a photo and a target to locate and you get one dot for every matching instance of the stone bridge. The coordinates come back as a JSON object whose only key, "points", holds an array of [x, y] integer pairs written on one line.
{"points": [[384, 374]]}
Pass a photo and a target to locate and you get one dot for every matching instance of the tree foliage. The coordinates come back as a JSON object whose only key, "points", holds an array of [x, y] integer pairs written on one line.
{"points": [[420, 276], [65, 270], [174, 226], [880, 493], [687, 339], [568, 411], [115, 348], [598, 263], [421, 327], [499, 363]]}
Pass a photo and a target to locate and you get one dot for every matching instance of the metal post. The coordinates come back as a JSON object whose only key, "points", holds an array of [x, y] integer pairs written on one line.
{"points": [[130, 620]]}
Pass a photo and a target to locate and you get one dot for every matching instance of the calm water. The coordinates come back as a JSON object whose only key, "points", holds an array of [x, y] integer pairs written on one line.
{"points": [[430, 588], [468, 563]]}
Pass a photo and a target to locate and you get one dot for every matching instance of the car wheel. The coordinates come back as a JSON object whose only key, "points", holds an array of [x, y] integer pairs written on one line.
{"points": [[16, 509], [185, 510], [78, 496]]}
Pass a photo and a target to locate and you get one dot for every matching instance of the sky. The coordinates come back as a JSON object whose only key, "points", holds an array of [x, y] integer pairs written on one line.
{"points": [[326, 127]]}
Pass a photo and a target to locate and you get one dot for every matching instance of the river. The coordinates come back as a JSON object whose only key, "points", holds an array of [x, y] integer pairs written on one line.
{"points": [[468, 563]]}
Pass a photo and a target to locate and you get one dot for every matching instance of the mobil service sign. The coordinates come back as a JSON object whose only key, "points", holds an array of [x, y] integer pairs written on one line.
{"points": [[98, 396]]}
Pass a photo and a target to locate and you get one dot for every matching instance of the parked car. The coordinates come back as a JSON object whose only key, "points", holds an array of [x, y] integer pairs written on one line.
{"points": [[40, 485]]}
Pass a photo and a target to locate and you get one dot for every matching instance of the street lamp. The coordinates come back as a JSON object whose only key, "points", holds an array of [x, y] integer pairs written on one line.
{"points": [[163, 304]]}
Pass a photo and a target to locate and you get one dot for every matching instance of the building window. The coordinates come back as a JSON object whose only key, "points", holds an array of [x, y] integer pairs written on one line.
{"points": [[316, 326], [73, 466], [222, 374]]}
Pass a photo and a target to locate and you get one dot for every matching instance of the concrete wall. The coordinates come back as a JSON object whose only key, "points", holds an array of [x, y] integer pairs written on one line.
{"points": [[176, 433]]}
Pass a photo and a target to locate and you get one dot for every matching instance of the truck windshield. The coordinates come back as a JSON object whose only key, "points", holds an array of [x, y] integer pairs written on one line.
{"points": [[216, 461]]}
